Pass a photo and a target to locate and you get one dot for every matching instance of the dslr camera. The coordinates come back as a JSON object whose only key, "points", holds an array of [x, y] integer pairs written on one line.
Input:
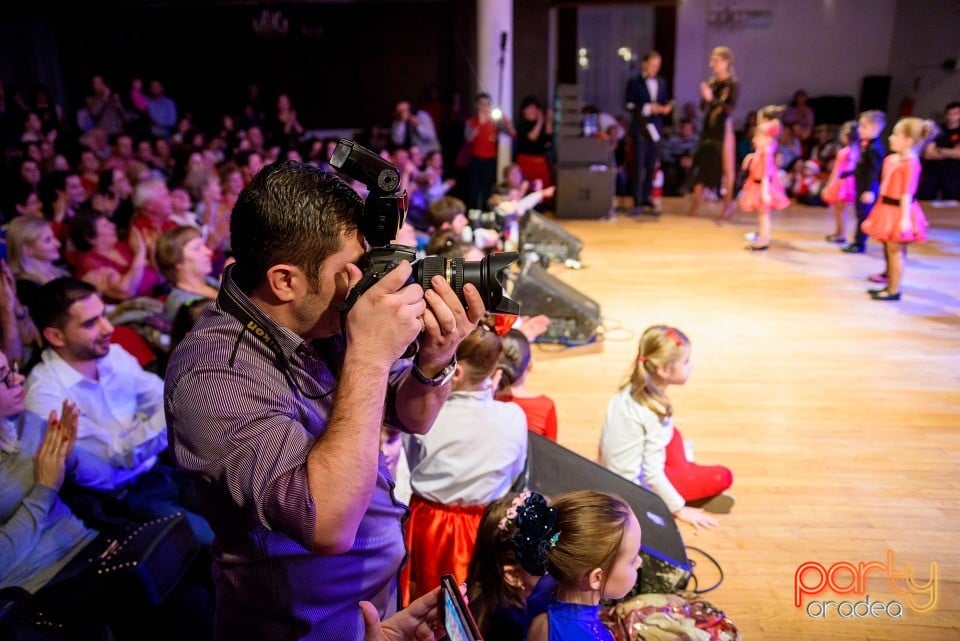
{"points": [[384, 210]]}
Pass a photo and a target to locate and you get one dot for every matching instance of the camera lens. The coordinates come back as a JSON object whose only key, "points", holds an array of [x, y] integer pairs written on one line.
{"points": [[486, 275]]}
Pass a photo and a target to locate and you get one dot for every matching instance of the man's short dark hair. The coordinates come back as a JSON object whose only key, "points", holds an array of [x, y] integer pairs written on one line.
{"points": [[52, 305], [951, 105], [291, 213]]}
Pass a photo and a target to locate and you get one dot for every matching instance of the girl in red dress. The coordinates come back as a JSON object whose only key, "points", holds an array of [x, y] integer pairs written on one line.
{"points": [[897, 220], [841, 189], [515, 362], [762, 189]]}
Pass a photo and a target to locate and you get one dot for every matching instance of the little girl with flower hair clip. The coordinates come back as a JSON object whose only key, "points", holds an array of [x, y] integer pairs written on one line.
{"points": [[504, 595]]}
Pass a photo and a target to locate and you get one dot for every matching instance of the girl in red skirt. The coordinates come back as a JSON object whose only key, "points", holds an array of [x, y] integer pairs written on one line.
{"points": [[897, 220], [640, 443], [471, 456]]}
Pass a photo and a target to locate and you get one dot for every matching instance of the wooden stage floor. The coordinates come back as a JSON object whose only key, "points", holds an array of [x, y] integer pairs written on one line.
{"points": [[839, 415]]}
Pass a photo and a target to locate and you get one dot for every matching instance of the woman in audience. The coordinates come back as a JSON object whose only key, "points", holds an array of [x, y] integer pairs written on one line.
{"points": [[116, 268], [45, 550], [33, 252], [185, 262], [204, 185]]}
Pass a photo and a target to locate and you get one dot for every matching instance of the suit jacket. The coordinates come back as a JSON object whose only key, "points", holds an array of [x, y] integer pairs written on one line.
{"points": [[638, 94], [866, 173]]}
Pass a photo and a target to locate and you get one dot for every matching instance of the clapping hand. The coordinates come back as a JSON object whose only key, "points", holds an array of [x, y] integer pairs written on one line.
{"points": [[50, 460]]}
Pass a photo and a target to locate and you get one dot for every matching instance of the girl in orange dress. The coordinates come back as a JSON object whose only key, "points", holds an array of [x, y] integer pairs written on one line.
{"points": [[762, 190], [897, 219], [841, 189]]}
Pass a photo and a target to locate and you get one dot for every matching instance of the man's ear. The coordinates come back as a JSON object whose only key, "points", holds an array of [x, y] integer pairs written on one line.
{"points": [[54, 336], [595, 579], [285, 282], [512, 577], [458, 374]]}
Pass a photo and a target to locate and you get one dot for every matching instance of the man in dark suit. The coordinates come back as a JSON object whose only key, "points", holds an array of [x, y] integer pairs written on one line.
{"points": [[648, 100]]}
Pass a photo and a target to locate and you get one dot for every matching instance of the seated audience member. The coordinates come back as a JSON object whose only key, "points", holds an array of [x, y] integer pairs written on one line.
{"points": [[806, 183], [448, 213], [941, 160], [115, 185], [471, 456], [516, 361], [186, 263], [152, 210], [45, 549], [19, 337], [413, 127], [790, 147], [181, 208], [122, 418], [800, 113], [33, 253], [116, 268], [65, 194], [25, 203], [825, 147], [677, 158]]}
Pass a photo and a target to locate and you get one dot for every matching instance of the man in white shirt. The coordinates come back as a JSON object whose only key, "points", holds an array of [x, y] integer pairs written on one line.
{"points": [[121, 406]]}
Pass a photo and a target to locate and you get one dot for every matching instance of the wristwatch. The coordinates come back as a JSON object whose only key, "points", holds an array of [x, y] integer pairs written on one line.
{"points": [[442, 378]]}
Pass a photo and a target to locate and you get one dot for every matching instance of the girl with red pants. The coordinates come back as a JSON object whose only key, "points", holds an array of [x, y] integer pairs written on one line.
{"points": [[640, 443]]}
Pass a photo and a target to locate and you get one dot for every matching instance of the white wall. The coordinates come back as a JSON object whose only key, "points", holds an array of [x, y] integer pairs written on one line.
{"points": [[825, 47], [926, 33]]}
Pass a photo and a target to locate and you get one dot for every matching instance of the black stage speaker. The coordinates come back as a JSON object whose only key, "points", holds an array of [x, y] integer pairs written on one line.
{"points": [[585, 192], [574, 318], [548, 239], [874, 93], [578, 151], [834, 110], [553, 469]]}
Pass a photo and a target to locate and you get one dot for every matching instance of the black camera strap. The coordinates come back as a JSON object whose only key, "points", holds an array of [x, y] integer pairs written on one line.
{"points": [[229, 303]]}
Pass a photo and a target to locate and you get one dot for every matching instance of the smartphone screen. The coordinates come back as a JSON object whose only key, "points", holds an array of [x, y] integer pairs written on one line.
{"points": [[457, 619]]}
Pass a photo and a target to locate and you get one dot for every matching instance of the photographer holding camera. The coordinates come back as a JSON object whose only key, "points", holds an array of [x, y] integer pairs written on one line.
{"points": [[276, 398]]}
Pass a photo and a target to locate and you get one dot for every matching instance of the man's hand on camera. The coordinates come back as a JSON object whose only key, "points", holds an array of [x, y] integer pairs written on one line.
{"points": [[446, 323], [386, 318]]}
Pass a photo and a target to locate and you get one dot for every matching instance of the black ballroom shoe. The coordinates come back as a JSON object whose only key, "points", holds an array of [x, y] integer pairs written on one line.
{"points": [[885, 295], [852, 248], [757, 248]]}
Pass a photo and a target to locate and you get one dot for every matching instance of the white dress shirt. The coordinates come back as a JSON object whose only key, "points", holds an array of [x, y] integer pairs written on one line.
{"points": [[121, 414]]}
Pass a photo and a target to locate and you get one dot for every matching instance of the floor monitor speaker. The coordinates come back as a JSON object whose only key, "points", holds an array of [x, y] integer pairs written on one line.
{"points": [[574, 318], [548, 239], [553, 469]]}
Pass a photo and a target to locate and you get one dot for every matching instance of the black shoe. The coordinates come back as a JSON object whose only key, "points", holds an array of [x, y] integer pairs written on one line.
{"points": [[853, 248], [648, 204], [884, 295], [874, 292], [757, 248]]}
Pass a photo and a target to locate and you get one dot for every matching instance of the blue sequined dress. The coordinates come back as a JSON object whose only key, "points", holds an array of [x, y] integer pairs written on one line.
{"points": [[575, 622]]}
